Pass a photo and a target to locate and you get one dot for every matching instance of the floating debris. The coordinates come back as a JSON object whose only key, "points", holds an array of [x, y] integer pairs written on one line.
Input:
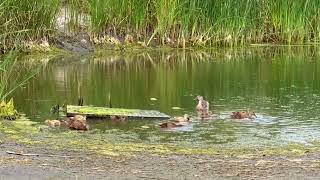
{"points": [[176, 108], [145, 127]]}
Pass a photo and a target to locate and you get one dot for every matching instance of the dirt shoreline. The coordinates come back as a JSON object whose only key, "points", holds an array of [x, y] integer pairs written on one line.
{"points": [[64, 164]]}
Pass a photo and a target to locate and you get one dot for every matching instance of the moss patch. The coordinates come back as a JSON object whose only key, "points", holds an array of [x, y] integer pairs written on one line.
{"points": [[106, 112], [22, 131]]}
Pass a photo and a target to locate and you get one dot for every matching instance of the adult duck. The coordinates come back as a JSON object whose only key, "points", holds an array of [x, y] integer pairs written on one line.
{"points": [[202, 105]]}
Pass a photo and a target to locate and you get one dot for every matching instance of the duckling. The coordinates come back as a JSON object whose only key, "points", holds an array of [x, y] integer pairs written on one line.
{"points": [[53, 123], [117, 118], [78, 122], [170, 125], [185, 118], [80, 118], [55, 109], [243, 115], [202, 105], [205, 114]]}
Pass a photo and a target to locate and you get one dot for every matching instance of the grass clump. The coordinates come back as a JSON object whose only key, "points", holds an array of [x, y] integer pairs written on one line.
{"points": [[26, 20], [10, 80], [10, 77], [7, 110]]}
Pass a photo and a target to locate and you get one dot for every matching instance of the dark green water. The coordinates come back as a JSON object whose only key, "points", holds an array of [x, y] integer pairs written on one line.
{"points": [[282, 85]]}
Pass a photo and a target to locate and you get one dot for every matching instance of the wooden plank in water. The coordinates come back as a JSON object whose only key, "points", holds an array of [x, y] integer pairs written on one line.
{"points": [[104, 112]]}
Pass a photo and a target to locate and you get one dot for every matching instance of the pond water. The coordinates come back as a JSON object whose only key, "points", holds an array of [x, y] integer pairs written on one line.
{"points": [[281, 84]]}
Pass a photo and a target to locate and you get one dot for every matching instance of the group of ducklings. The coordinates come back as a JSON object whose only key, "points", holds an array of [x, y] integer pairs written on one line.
{"points": [[77, 122], [203, 112]]}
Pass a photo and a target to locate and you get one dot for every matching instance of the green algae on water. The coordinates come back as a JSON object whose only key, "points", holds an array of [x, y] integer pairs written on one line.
{"points": [[26, 132]]}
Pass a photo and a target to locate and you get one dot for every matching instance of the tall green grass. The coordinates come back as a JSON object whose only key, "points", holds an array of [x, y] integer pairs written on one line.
{"points": [[22, 20], [174, 22], [10, 76], [209, 22], [10, 80]]}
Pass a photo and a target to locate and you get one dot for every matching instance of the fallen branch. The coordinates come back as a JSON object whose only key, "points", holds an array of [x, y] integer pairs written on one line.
{"points": [[31, 154], [43, 155], [21, 153]]}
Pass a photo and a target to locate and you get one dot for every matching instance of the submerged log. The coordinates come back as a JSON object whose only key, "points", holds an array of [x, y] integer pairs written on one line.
{"points": [[104, 112]]}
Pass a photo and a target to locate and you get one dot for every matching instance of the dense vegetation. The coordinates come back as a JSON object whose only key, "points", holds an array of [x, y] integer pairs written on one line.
{"points": [[26, 20], [172, 22]]}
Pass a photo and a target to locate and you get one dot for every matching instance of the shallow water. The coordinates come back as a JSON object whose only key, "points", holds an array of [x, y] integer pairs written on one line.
{"points": [[282, 85]]}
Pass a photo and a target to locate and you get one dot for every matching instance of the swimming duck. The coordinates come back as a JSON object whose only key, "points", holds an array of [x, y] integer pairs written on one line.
{"points": [[185, 118], [202, 105], [170, 125], [53, 123], [78, 122], [176, 122], [243, 115], [117, 118]]}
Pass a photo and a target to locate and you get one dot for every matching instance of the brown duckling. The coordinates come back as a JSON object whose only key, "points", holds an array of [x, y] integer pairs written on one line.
{"points": [[117, 118], [185, 118], [53, 123], [243, 115], [78, 122], [170, 125], [205, 114], [202, 105]]}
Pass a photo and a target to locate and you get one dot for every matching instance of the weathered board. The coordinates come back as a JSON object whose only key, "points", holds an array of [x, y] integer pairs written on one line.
{"points": [[104, 112]]}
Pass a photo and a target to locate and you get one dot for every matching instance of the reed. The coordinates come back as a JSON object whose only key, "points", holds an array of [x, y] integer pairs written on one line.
{"points": [[207, 22], [177, 23], [10, 77], [26, 20]]}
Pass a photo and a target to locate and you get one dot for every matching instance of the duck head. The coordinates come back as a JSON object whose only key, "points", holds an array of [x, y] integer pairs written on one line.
{"points": [[253, 115], [186, 117], [199, 98], [117, 118]]}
